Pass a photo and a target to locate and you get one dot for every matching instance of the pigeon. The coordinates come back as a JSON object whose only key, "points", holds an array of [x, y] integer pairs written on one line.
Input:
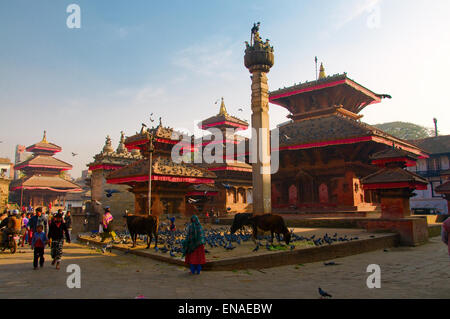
{"points": [[240, 110], [292, 247], [256, 248], [227, 186], [110, 192], [324, 293], [331, 263], [172, 254], [286, 137], [74, 154]]}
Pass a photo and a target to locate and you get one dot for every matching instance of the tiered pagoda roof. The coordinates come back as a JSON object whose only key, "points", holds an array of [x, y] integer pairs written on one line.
{"points": [[51, 183], [223, 120], [335, 90], [44, 161], [44, 147], [392, 175], [42, 170], [336, 129]]}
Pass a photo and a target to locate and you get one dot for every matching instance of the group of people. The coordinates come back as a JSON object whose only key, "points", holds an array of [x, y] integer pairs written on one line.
{"points": [[38, 230]]}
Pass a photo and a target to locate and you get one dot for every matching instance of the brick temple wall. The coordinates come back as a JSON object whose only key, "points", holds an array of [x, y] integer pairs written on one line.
{"points": [[4, 193]]}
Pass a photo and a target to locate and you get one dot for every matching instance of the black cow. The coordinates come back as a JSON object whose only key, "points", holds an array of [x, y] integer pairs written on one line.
{"points": [[143, 225], [241, 220]]}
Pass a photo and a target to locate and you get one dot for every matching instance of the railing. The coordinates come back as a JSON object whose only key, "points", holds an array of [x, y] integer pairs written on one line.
{"points": [[430, 173]]}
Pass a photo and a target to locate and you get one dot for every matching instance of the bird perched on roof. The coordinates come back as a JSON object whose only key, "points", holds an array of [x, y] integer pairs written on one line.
{"points": [[192, 201], [74, 154], [323, 293], [110, 192]]}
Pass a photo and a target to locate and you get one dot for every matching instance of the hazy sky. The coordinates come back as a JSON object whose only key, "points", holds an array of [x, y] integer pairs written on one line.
{"points": [[176, 58]]}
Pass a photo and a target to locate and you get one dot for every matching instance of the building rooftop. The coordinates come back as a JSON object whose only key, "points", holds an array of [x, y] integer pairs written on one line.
{"points": [[52, 183], [340, 91], [335, 129], [434, 145], [44, 161]]}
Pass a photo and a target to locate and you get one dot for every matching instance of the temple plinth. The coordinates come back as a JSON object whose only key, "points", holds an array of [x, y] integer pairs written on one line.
{"points": [[258, 59]]}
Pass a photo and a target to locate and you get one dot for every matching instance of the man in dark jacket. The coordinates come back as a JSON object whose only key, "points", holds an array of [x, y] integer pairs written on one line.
{"points": [[68, 221], [36, 220], [56, 233]]}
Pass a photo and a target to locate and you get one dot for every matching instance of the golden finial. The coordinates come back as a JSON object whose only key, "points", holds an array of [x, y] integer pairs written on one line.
{"points": [[322, 74], [44, 138], [223, 110]]}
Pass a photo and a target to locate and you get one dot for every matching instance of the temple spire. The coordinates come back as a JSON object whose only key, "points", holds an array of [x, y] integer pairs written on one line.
{"points": [[322, 74], [108, 146], [121, 149], [44, 138], [223, 110]]}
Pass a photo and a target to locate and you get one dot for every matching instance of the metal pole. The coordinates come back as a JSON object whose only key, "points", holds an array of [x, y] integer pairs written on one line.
{"points": [[150, 177]]}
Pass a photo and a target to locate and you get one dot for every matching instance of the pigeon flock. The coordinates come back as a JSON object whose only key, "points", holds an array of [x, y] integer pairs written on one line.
{"points": [[220, 237]]}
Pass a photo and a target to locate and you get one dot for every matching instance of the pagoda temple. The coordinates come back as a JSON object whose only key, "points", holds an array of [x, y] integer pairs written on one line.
{"points": [[42, 184], [170, 181], [234, 176], [325, 149]]}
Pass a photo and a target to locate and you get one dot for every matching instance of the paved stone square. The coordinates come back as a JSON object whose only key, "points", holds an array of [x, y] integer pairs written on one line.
{"points": [[406, 272]]}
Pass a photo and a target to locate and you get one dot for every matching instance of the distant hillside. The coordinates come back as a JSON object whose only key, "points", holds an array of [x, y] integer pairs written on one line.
{"points": [[405, 130]]}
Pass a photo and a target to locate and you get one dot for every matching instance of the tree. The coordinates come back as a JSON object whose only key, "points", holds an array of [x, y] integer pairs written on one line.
{"points": [[405, 130]]}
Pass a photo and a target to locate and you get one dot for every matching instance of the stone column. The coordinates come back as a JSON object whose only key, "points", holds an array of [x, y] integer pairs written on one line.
{"points": [[260, 135], [258, 60]]}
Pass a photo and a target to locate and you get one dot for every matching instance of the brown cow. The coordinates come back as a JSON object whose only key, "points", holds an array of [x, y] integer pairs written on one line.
{"points": [[269, 222]]}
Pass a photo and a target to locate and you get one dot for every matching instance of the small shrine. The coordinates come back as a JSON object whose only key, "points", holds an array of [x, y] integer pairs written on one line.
{"points": [[393, 183]]}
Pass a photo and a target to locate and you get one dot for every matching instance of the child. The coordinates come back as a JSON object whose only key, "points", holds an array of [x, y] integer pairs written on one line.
{"points": [[38, 244]]}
